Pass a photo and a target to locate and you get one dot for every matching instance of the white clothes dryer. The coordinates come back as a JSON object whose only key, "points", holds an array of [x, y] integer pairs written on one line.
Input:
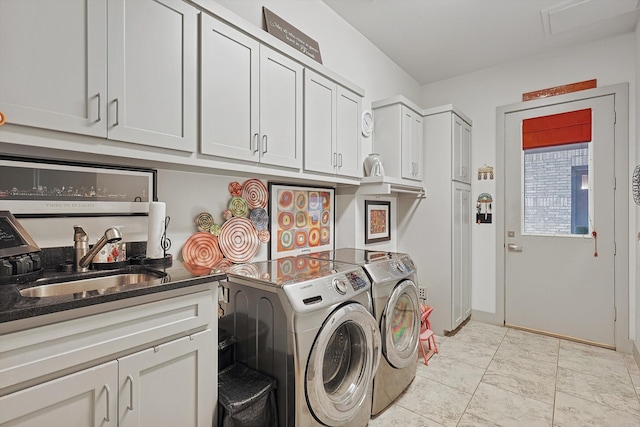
{"points": [[308, 324]]}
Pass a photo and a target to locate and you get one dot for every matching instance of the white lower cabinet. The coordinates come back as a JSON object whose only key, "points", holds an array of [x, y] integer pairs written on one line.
{"points": [[167, 385], [86, 398], [168, 377]]}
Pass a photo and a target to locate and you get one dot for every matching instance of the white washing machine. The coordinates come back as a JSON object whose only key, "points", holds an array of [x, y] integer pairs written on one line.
{"points": [[308, 324], [394, 289]]}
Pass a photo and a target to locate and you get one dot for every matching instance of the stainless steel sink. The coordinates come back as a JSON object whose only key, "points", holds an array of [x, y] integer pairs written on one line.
{"points": [[94, 285]]}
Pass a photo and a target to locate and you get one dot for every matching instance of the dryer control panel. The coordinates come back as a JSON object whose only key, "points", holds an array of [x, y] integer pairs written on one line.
{"points": [[391, 269]]}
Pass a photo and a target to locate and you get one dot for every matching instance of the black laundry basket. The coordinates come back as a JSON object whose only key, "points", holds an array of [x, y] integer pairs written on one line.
{"points": [[246, 398]]}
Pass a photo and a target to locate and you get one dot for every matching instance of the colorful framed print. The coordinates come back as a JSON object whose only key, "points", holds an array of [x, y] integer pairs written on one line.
{"points": [[377, 221], [301, 220]]}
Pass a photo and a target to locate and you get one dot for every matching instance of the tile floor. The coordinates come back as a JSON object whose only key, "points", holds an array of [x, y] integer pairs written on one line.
{"points": [[487, 375]]}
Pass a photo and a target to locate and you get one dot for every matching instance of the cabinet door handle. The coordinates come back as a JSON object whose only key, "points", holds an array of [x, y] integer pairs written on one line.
{"points": [[117, 122], [335, 160], [265, 140], [130, 405], [340, 160], [99, 96], [464, 172], [256, 138], [108, 391]]}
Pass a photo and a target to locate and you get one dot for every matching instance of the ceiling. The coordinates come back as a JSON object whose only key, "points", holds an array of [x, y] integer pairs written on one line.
{"points": [[437, 39]]}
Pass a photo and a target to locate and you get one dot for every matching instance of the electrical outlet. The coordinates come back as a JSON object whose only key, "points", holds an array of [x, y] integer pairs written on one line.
{"points": [[422, 293]]}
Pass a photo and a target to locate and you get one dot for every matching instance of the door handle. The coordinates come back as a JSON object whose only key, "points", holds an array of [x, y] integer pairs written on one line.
{"points": [[130, 405], [117, 122], [99, 96], [107, 417], [514, 248]]}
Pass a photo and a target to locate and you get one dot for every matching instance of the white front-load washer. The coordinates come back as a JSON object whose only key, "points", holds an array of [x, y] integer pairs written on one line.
{"points": [[396, 307], [312, 331]]}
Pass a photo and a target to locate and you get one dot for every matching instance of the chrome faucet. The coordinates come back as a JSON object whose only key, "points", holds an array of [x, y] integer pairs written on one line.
{"points": [[82, 255]]}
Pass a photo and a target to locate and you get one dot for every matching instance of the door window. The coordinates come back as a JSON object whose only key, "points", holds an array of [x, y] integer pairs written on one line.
{"points": [[556, 190]]}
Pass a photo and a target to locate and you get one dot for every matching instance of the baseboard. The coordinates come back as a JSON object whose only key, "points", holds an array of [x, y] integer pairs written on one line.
{"points": [[486, 317], [636, 353]]}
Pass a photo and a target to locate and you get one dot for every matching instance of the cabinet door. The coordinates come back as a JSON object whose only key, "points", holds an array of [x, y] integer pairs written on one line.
{"points": [[280, 110], [53, 71], [229, 104], [173, 384], [319, 118], [461, 156], [348, 143], [417, 141], [461, 241], [86, 398], [411, 141], [152, 73]]}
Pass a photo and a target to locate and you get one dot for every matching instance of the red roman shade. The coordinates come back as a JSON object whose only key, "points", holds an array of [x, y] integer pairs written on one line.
{"points": [[557, 129]]}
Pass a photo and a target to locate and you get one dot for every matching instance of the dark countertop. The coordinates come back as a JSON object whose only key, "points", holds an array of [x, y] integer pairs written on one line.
{"points": [[14, 306]]}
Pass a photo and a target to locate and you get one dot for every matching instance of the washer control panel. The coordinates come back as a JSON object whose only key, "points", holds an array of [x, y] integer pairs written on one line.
{"points": [[321, 292]]}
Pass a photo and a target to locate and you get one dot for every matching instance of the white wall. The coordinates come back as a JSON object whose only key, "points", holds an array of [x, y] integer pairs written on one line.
{"points": [[478, 94], [635, 231]]}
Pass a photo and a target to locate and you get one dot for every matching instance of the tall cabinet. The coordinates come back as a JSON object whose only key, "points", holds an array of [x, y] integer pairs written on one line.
{"points": [[440, 239]]}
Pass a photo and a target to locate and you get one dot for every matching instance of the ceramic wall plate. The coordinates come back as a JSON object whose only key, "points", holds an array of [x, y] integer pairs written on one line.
{"points": [[255, 193], [201, 249], [238, 240]]}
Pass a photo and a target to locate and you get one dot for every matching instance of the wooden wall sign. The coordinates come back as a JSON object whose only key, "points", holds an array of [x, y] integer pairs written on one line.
{"points": [[289, 34], [559, 90]]}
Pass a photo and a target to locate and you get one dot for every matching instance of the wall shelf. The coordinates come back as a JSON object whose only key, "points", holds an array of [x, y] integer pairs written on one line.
{"points": [[386, 185]]}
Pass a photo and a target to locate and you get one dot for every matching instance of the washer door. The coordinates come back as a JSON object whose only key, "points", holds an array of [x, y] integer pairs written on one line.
{"points": [[400, 325], [342, 363]]}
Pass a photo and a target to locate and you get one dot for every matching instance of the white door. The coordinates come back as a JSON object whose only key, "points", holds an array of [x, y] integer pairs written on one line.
{"points": [[559, 228], [53, 66], [229, 102], [348, 106], [461, 254], [83, 399], [152, 73], [319, 129], [280, 110], [170, 384]]}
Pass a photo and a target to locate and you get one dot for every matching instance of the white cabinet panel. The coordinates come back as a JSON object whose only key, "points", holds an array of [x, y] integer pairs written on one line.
{"points": [[122, 69], [398, 138], [332, 127], [85, 398], [152, 73], [53, 68], [280, 110], [167, 385], [461, 146], [251, 99]]}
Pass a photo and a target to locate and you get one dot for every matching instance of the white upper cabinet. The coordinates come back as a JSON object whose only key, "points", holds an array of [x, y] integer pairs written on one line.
{"points": [[331, 120], [53, 64], [152, 76], [461, 166], [251, 100], [411, 144], [141, 88], [398, 137]]}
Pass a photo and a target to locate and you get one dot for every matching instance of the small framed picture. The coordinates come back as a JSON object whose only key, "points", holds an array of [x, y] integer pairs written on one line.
{"points": [[377, 221]]}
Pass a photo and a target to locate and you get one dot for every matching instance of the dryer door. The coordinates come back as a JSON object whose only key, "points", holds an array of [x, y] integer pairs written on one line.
{"points": [[342, 363], [400, 325]]}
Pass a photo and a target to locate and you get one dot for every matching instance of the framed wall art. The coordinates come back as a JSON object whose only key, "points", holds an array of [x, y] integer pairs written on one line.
{"points": [[44, 188], [377, 221], [301, 220]]}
